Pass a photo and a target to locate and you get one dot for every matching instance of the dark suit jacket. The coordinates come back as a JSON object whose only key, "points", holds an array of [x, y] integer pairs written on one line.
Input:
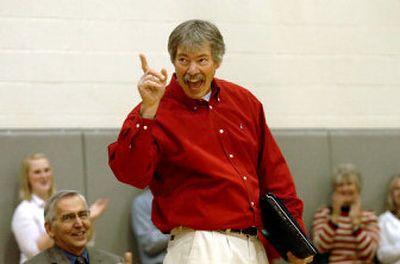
{"points": [[55, 256]]}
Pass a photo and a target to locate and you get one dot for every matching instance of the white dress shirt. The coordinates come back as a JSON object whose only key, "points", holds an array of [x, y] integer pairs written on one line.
{"points": [[28, 226], [389, 246]]}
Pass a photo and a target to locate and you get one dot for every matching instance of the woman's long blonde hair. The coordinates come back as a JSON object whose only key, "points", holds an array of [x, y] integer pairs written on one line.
{"points": [[390, 205], [25, 189]]}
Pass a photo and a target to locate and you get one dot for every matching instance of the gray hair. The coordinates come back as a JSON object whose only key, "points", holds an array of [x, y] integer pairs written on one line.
{"points": [[347, 172], [195, 33], [50, 207]]}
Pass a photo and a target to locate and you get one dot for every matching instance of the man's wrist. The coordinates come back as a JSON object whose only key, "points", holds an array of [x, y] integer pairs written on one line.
{"points": [[148, 112]]}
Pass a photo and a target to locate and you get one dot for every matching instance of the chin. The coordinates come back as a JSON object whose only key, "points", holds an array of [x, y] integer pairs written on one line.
{"points": [[194, 95], [81, 244]]}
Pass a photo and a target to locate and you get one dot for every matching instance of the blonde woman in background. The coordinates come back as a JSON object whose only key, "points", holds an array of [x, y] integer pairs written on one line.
{"points": [[344, 230], [389, 223], [36, 186]]}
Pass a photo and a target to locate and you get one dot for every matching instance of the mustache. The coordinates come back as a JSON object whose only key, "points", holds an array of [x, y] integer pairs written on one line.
{"points": [[194, 78]]}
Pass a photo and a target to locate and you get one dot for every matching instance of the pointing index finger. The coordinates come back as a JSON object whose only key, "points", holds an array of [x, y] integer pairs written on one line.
{"points": [[143, 61]]}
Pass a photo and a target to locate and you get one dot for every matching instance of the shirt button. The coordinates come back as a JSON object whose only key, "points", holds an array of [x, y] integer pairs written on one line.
{"points": [[252, 204], [244, 178], [221, 131], [231, 156], [210, 106], [137, 125], [145, 127], [195, 108]]}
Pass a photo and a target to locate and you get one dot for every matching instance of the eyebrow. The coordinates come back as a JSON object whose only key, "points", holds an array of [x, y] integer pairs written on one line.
{"points": [[75, 213], [197, 56]]}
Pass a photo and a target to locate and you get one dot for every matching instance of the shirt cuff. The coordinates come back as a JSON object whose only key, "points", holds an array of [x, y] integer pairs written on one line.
{"points": [[143, 123]]}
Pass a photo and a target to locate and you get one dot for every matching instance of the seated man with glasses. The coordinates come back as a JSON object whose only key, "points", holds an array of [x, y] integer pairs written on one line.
{"points": [[67, 222]]}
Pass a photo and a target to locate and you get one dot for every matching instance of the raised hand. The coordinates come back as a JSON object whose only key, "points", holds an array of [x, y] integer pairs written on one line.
{"points": [[128, 258], [98, 208], [151, 88], [356, 212]]}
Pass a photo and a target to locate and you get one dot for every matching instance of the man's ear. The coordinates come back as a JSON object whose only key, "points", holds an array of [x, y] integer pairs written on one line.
{"points": [[49, 230]]}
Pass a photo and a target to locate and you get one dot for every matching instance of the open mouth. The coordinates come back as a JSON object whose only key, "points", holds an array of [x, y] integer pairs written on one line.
{"points": [[195, 81], [45, 183], [194, 84]]}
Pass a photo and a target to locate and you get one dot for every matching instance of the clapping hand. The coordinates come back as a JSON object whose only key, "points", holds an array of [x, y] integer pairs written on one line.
{"points": [[128, 258], [98, 208], [356, 212]]}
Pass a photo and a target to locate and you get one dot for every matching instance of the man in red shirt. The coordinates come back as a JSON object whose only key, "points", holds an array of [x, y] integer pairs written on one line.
{"points": [[203, 147]]}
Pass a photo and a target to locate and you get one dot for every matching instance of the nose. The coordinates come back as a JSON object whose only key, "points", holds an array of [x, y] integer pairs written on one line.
{"points": [[78, 221], [193, 69], [44, 174]]}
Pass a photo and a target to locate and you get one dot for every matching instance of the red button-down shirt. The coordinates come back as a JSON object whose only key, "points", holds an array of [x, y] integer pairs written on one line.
{"points": [[206, 161]]}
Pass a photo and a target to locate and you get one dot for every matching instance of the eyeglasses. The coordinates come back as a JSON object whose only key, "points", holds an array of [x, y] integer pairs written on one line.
{"points": [[71, 217]]}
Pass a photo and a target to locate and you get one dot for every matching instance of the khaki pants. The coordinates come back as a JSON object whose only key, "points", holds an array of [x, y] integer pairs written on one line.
{"points": [[188, 246]]}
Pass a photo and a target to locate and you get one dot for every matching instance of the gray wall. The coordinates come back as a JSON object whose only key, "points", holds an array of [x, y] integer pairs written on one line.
{"points": [[79, 158], [312, 155]]}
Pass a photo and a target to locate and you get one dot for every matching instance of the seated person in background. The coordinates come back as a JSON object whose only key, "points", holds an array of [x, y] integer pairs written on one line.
{"points": [[67, 222], [152, 244], [36, 186], [344, 230], [389, 223]]}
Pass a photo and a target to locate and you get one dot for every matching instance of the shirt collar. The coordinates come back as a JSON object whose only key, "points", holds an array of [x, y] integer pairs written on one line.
{"points": [[207, 96], [176, 92], [38, 201], [72, 258]]}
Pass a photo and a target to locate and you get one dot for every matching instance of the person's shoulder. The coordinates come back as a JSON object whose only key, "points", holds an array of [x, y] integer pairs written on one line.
{"points": [[23, 208], [385, 216], [98, 255], [236, 91], [232, 87], [49, 255], [24, 204], [37, 259]]}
